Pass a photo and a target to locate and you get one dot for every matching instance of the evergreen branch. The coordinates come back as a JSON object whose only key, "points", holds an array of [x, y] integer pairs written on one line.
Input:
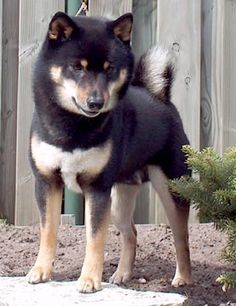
{"points": [[227, 280], [213, 192]]}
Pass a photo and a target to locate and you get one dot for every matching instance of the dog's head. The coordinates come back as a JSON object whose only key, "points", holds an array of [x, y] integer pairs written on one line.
{"points": [[88, 61]]}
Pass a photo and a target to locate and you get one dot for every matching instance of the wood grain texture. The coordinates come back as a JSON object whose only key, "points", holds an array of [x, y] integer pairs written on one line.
{"points": [[145, 25], [109, 8], [1, 24], [10, 34], [218, 107], [229, 75], [34, 19], [179, 29], [208, 112], [212, 73]]}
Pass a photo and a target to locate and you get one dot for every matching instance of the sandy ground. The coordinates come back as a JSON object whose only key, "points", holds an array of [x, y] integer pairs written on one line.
{"points": [[155, 260]]}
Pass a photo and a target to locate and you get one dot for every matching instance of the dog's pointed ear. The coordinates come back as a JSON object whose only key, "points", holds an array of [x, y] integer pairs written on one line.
{"points": [[61, 27], [122, 27]]}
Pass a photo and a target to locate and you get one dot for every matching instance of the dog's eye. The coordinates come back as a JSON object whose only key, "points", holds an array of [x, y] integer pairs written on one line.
{"points": [[77, 67], [111, 69], [80, 65]]}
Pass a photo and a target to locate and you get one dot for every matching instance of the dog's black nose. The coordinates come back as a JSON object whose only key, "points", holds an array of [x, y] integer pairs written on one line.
{"points": [[95, 103]]}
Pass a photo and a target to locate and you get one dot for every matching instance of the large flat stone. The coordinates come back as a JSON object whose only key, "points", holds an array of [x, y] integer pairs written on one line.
{"points": [[15, 291]]}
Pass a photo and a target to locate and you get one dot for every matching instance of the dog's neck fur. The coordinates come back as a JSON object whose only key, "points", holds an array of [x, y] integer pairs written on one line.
{"points": [[70, 130]]}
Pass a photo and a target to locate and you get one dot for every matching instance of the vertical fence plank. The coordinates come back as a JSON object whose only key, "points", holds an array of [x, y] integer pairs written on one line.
{"points": [[209, 120], [229, 74], [109, 8], [211, 76], [10, 33], [145, 25], [218, 125], [144, 36], [34, 20], [1, 26], [182, 34], [208, 112]]}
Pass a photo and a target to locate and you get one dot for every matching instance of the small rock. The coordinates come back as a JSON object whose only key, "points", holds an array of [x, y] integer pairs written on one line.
{"points": [[142, 280]]}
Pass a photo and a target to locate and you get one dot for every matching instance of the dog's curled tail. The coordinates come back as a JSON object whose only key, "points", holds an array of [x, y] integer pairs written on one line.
{"points": [[155, 72]]}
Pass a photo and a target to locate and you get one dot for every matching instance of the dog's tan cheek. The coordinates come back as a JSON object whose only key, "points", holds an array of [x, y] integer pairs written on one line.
{"points": [[123, 76], [106, 96], [116, 85]]}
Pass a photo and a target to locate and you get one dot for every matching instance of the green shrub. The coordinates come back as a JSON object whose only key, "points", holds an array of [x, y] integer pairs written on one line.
{"points": [[212, 190]]}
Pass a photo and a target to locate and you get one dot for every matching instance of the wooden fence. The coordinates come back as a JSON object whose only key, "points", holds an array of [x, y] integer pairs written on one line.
{"points": [[202, 34]]}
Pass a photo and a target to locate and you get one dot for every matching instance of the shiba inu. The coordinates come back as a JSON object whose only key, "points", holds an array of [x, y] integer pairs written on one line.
{"points": [[103, 126]]}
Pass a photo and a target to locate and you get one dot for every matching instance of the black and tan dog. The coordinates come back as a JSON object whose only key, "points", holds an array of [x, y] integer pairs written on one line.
{"points": [[102, 129]]}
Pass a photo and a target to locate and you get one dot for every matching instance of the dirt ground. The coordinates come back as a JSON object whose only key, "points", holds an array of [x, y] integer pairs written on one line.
{"points": [[155, 260]]}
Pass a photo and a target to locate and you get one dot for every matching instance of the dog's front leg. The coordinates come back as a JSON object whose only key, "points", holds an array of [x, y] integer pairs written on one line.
{"points": [[97, 208], [49, 198]]}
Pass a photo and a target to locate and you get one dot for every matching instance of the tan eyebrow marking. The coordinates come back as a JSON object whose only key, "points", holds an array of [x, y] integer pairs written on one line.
{"points": [[56, 73], [106, 65], [84, 63], [52, 35]]}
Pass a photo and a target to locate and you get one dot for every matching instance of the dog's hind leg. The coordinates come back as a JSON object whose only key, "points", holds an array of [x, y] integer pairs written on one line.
{"points": [[122, 209], [178, 217]]}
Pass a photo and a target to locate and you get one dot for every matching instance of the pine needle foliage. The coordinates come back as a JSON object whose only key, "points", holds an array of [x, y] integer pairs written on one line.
{"points": [[212, 190]]}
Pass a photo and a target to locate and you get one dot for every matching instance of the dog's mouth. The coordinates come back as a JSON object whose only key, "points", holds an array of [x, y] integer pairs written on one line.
{"points": [[87, 113]]}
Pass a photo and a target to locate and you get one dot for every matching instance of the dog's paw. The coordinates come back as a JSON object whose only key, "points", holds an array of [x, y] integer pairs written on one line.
{"points": [[120, 277], [88, 285], [39, 274], [180, 281]]}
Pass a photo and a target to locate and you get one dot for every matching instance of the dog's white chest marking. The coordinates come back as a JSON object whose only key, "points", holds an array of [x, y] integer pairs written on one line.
{"points": [[90, 162]]}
